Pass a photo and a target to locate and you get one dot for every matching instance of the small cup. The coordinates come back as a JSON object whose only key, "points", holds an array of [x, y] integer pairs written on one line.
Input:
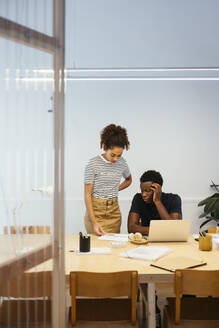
{"points": [[84, 243], [205, 243]]}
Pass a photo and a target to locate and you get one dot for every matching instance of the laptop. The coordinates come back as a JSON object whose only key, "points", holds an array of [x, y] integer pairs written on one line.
{"points": [[169, 230]]}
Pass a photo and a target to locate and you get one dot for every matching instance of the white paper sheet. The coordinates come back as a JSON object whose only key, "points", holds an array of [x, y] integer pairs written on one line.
{"points": [[115, 237], [215, 236], [147, 253], [215, 243], [96, 251]]}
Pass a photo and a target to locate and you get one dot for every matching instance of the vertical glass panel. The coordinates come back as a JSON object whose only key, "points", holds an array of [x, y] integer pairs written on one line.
{"points": [[26, 184]]}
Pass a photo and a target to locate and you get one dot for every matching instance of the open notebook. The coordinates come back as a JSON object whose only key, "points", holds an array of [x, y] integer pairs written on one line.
{"points": [[148, 253], [177, 262]]}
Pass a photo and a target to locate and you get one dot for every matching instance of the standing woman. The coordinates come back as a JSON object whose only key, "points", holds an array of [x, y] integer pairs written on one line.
{"points": [[103, 174]]}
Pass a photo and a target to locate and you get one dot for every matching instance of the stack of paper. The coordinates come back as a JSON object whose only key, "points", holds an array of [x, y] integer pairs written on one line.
{"points": [[148, 253], [215, 236], [215, 241]]}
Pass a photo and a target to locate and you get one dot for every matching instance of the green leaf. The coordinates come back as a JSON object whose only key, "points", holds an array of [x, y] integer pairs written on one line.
{"points": [[203, 215], [205, 201], [215, 208], [210, 206], [214, 185], [216, 214], [203, 223]]}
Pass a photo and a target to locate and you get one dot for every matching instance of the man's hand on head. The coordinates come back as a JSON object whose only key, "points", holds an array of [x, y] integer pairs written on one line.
{"points": [[156, 188]]}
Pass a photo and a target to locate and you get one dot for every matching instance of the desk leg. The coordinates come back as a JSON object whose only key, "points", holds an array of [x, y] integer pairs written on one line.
{"points": [[151, 321]]}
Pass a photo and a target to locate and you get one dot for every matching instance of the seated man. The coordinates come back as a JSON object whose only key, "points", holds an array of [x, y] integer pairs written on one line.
{"points": [[152, 204]]}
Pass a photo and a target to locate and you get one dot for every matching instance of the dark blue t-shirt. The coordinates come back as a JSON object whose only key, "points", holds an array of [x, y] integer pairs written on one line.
{"points": [[148, 211]]}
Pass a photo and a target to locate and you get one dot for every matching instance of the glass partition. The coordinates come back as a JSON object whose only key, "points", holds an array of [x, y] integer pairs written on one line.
{"points": [[31, 187]]}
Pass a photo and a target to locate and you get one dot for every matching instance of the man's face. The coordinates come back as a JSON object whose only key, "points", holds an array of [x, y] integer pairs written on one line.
{"points": [[146, 191]]}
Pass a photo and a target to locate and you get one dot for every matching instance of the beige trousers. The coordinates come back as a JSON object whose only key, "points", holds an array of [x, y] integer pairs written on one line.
{"points": [[107, 214]]}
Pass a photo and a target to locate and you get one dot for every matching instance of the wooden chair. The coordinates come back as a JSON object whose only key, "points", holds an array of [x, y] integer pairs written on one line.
{"points": [[27, 299], [103, 296], [200, 311], [39, 229], [27, 229]]}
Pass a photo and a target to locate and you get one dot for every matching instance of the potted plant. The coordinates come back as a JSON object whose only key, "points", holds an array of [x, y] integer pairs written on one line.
{"points": [[211, 208]]}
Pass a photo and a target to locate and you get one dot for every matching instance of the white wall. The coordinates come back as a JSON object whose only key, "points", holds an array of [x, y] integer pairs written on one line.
{"points": [[172, 125], [140, 33], [172, 128]]}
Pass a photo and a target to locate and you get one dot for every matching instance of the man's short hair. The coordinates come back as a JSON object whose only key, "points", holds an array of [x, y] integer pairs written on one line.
{"points": [[152, 175]]}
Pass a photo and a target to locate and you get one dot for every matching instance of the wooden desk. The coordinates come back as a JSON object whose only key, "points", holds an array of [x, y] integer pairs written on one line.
{"points": [[21, 252], [147, 274]]}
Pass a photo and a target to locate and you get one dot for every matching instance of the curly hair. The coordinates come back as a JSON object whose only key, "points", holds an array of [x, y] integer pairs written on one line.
{"points": [[153, 176], [114, 136]]}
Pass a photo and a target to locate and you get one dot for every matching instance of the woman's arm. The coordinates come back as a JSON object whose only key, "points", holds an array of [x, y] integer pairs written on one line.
{"points": [[125, 183], [98, 230]]}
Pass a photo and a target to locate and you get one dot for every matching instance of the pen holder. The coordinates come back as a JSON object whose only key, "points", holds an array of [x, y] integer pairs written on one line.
{"points": [[205, 243], [84, 243]]}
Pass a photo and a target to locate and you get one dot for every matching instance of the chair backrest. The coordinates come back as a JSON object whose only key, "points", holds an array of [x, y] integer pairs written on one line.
{"points": [[39, 229], [104, 285], [195, 282], [34, 284], [26, 299], [27, 229]]}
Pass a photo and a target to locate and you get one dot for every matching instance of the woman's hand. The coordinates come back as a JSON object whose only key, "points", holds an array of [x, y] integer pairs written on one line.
{"points": [[98, 230]]}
